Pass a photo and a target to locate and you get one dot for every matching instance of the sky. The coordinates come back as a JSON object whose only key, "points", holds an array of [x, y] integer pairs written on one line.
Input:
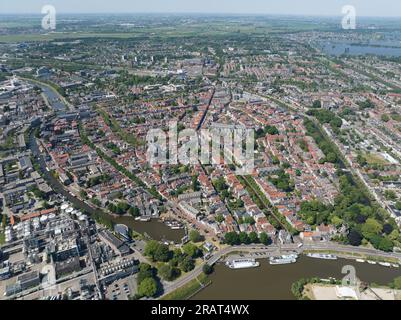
{"points": [[382, 8]]}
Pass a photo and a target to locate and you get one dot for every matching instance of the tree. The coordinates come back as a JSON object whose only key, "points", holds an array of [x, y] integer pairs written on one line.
{"points": [[147, 288], [388, 228], [398, 205], [371, 228], [253, 237], [249, 220], [178, 256], [361, 160], [331, 157], [220, 218], [275, 160], [122, 208], [191, 250], [207, 269], [243, 238], [355, 238], [386, 245], [157, 251], [385, 118], [272, 130], [220, 184], [336, 122], [4, 221], [337, 221], [375, 240], [396, 284], [316, 104], [297, 288], [390, 195], [195, 183], [231, 238], [264, 238], [187, 264], [169, 273], [83, 194], [195, 236], [394, 235], [145, 271], [134, 211]]}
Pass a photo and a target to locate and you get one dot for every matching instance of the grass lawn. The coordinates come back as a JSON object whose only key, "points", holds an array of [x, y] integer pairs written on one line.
{"points": [[188, 289], [374, 158], [2, 237]]}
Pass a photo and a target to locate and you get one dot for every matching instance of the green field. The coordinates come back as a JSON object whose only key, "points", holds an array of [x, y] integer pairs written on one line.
{"points": [[377, 159]]}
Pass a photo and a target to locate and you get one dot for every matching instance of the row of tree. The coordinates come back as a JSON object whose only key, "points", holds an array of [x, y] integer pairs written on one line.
{"points": [[234, 238]]}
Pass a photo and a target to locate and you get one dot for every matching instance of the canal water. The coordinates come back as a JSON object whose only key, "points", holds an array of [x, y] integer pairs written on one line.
{"points": [[53, 98], [155, 229], [273, 282], [338, 48]]}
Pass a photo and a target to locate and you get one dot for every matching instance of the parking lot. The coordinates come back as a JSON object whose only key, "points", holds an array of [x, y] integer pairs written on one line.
{"points": [[121, 289]]}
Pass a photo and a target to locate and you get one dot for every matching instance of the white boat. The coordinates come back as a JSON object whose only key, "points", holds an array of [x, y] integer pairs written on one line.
{"points": [[372, 262], [143, 219], [360, 260], [395, 265], [174, 225], [322, 256], [284, 259], [242, 263], [385, 264]]}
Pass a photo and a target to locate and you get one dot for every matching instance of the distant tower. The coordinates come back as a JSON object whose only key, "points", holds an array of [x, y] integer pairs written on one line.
{"points": [[165, 60]]}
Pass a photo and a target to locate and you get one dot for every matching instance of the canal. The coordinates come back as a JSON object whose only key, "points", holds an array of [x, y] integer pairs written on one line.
{"points": [[53, 98], [273, 282], [155, 229]]}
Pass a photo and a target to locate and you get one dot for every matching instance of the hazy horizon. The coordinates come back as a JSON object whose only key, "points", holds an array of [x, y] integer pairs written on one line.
{"points": [[364, 8]]}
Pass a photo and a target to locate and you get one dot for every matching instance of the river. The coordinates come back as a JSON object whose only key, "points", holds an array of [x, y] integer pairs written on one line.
{"points": [[339, 48], [154, 229], [273, 282]]}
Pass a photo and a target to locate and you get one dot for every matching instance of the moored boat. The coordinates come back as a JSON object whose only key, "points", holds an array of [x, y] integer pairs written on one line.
{"points": [[322, 256], [284, 259], [144, 219], [242, 263], [173, 224], [385, 264]]}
